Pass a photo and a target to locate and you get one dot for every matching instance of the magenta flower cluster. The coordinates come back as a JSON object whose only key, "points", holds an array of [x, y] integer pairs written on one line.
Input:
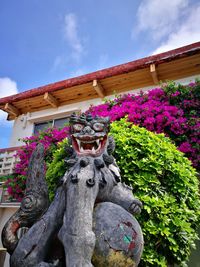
{"points": [[15, 187], [49, 138], [172, 110]]}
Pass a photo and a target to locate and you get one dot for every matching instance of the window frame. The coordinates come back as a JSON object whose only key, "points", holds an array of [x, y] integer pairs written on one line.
{"points": [[49, 123]]}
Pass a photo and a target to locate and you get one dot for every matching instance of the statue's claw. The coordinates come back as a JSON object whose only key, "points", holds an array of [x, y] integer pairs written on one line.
{"points": [[45, 264], [135, 207]]}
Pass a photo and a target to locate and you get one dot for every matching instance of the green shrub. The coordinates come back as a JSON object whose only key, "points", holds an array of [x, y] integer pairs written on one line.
{"points": [[56, 168], [163, 180]]}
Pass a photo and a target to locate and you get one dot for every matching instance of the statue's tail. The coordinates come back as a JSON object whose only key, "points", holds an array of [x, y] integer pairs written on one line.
{"points": [[34, 203]]}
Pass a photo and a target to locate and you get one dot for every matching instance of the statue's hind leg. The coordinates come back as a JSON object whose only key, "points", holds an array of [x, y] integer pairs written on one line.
{"points": [[76, 233]]}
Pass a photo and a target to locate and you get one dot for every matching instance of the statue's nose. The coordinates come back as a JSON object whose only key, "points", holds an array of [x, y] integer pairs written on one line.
{"points": [[88, 130]]}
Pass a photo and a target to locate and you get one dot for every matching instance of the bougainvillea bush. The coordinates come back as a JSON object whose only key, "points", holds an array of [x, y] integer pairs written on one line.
{"points": [[15, 183], [173, 110], [163, 179]]}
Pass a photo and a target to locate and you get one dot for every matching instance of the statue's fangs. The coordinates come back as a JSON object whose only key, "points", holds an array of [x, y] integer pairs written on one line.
{"points": [[89, 222]]}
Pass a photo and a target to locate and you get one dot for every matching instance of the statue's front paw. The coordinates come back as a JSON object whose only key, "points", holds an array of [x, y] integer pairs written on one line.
{"points": [[45, 264], [135, 207]]}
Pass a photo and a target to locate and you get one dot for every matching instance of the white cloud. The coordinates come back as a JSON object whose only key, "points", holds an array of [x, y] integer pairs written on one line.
{"points": [[159, 18], [78, 72], [3, 116], [7, 87], [57, 62], [171, 24], [75, 40], [188, 32], [103, 61], [72, 36]]}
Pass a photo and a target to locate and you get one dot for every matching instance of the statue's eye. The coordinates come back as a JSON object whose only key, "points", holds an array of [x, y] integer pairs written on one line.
{"points": [[78, 127], [98, 127]]}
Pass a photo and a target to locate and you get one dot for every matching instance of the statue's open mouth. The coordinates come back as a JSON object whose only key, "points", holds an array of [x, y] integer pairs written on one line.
{"points": [[87, 145]]}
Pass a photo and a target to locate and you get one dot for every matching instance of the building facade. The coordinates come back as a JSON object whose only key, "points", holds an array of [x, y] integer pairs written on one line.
{"points": [[51, 105]]}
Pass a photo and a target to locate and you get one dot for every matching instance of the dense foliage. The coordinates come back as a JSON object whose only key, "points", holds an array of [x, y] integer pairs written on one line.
{"points": [[173, 110], [163, 180], [167, 184], [57, 167]]}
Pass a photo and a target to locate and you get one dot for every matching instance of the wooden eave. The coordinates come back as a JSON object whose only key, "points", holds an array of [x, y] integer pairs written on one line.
{"points": [[172, 65]]}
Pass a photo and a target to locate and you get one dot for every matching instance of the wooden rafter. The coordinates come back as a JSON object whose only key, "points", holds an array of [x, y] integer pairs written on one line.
{"points": [[11, 109], [51, 100], [98, 88], [154, 73]]}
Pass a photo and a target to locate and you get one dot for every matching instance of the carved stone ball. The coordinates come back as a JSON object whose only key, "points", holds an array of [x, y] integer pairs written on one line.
{"points": [[119, 239]]}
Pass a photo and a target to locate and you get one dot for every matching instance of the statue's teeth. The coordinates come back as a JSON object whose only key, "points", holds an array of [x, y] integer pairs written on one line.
{"points": [[79, 143], [95, 145], [97, 141]]}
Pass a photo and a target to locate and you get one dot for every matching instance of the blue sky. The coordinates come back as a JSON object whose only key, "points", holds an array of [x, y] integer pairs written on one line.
{"points": [[43, 41]]}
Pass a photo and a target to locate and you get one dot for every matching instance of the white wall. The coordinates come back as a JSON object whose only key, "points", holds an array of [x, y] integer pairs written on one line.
{"points": [[23, 125]]}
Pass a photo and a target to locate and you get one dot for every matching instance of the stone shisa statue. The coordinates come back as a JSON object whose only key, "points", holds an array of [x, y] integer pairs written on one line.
{"points": [[89, 222]]}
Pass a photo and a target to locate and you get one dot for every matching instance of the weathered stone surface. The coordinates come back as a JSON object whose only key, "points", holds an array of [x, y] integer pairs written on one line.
{"points": [[76, 233], [119, 239], [34, 203], [33, 247]]}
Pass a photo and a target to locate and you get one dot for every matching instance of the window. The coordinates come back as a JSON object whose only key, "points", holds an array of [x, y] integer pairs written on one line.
{"points": [[41, 126], [58, 123]]}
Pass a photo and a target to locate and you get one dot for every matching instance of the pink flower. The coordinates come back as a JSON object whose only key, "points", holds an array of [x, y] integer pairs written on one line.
{"points": [[185, 147]]}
